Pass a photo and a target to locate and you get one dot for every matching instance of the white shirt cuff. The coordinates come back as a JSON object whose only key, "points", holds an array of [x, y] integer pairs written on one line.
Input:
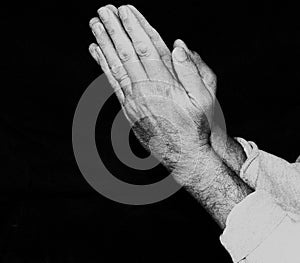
{"points": [[250, 223]]}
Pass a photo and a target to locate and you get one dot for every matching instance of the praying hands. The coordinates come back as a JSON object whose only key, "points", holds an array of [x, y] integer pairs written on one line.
{"points": [[169, 99]]}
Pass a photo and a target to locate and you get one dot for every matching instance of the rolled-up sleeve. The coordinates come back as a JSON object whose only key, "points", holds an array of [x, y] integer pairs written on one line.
{"points": [[265, 226], [249, 224], [281, 179], [260, 231]]}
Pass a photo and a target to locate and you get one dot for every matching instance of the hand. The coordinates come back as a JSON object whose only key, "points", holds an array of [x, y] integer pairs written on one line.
{"points": [[169, 99], [169, 105]]}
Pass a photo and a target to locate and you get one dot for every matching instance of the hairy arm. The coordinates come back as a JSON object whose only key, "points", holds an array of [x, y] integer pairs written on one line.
{"points": [[202, 173], [216, 186]]}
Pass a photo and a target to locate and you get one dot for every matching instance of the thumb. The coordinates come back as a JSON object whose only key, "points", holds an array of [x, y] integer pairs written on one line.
{"points": [[187, 72], [208, 76]]}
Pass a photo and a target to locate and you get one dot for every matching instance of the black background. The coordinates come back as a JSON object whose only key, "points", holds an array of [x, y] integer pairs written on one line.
{"points": [[49, 213]]}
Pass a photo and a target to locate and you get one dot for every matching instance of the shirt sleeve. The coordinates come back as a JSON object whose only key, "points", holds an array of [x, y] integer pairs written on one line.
{"points": [[279, 178], [259, 231], [249, 223]]}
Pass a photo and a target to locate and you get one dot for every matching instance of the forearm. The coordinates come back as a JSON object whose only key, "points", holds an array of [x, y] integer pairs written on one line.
{"points": [[215, 186]]}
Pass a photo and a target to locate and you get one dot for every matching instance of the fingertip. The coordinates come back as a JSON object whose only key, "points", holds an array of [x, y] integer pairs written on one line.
{"points": [[180, 43], [93, 45], [93, 21], [122, 7], [95, 51], [101, 10], [131, 7], [113, 9], [135, 12], [99, 52], [92, 48], [123, 12], [100, 58]]}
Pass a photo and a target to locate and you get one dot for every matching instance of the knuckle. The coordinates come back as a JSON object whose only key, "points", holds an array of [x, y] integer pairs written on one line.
{"points": [[120, 75], [127, 26], [167, 59], [123, 77], [110, 30], [116, 71], [125, 81], [143, 50], [101, 41], [125, 55]]}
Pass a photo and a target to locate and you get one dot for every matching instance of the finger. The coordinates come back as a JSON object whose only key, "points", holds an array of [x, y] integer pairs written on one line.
{"points": [[113, 61], [113, 9], [123, 45], [180, 43], [209, 78], [154, 66], [99, 57], [188, 74], [156, 39]]}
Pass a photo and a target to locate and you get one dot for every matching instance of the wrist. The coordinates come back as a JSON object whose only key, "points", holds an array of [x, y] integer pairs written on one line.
{"points": [[230, 151]]}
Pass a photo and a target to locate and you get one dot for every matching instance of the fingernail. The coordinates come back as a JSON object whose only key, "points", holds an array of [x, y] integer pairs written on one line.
{"points": [[180, 54], [103, 13]]}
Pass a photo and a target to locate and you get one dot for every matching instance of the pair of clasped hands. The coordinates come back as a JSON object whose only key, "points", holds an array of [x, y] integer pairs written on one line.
{"points": [[167, 97]]}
